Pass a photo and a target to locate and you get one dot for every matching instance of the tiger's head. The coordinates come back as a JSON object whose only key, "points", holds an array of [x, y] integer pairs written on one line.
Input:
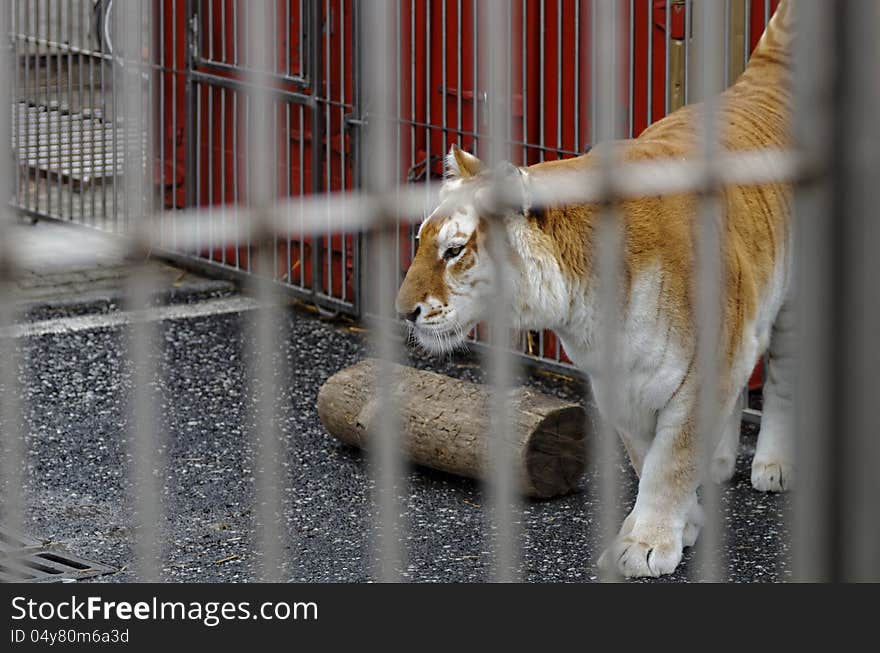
{"points": [[450, 282]]}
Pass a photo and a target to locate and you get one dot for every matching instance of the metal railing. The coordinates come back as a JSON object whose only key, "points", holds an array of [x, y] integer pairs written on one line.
{"points": [[832, 170]]}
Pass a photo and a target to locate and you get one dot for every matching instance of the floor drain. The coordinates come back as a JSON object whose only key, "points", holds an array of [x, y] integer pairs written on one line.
{"points": [[25, 560]]}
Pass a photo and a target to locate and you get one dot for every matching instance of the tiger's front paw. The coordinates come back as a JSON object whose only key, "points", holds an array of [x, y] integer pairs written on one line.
{"points": [[651, 548], [772, 475]]}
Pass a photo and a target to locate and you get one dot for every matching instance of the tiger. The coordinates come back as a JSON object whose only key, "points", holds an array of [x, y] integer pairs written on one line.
{"points": [[553, 284]]}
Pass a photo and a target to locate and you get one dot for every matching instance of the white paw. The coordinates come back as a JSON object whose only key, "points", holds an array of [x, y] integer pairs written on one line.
{"points": [[772, 475], [722, 467], [647, 550]]}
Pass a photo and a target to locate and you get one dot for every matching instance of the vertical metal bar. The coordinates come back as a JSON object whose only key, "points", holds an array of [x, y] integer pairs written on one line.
{"points": [[117, 64], [70, 112], [630, 65], [223, 146], [386, 465], [15, 113], [476, 72], [303, 69], [12, 446], [162, 74], [502, 484], [209, 159], [747, 33], [559, 52], [412, 97], [458, 71], [812, 502], [542, 28], [444, 82], [577, 77], [688, 31], [606, 35], [190, 100], [342, 160], [37, 101], [93, 128], [176, 67], [223, 52], [327, 248], [209, 20], [59, 115], [51, 184], [525, 81], [316, 76], [667, 59], [302, 192], [727, 39], [236, 195], [26, 128], [428, 83], [710, 227], [649, 98], [145, 439], [263, 339], [288, 191], [856, 168]]}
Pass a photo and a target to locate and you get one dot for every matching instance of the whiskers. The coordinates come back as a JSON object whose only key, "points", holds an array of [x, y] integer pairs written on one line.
{"points": [[438, 342]]}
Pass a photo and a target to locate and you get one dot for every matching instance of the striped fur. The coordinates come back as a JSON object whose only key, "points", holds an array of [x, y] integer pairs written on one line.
{"points": [[553, 260]]}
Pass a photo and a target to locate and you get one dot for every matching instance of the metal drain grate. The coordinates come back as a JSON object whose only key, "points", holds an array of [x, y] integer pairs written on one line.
{"points": [[24, 560]]}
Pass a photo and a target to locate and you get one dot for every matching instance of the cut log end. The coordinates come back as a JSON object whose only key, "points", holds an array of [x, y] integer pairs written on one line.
{"points": [[555, 458]]}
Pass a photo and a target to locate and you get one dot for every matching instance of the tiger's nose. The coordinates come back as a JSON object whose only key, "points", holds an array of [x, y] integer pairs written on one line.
{"points": [[412, 316]]}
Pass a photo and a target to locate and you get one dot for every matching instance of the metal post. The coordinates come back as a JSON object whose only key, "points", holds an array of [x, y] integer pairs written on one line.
{"points": [[190, 98], [494, 50], [263, 338], [708, 284], [11, 432], [316, 80], [606, 127], [380, 179], [145, 441]]}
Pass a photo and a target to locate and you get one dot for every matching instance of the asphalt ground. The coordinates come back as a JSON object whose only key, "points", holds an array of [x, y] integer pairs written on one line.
{"points": [[77, 387]]}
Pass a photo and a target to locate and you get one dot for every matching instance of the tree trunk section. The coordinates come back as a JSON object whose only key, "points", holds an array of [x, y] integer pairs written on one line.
{"points": [[443, 424]]}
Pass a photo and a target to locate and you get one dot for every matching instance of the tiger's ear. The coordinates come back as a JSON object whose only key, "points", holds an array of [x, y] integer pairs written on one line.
{"points": [[461, 164]]}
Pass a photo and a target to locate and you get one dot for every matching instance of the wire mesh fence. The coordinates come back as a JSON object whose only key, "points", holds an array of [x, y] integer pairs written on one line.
{"points": [[302, 143]]}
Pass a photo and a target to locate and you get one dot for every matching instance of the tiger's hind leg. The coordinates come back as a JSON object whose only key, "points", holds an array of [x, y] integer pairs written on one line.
{"points": [[724, 458], [773, 465]]}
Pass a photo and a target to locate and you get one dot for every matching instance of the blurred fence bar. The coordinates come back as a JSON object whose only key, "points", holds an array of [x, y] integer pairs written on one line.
{"points": [[812, 514], [12, 409], [855, 169], [607, 71], [145, 442], [709, 283], [386, 466], [264, 346], [503, 513]]}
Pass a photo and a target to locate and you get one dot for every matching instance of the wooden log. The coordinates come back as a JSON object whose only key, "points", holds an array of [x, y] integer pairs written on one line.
{"points": [[443, 425]]}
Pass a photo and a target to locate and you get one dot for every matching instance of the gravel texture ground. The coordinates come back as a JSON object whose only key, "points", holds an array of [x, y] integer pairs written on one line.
{"points": [[77, 388]]}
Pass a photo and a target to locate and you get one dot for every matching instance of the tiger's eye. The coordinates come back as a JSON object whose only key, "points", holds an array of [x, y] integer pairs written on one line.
{"points": [[452, 252]]}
